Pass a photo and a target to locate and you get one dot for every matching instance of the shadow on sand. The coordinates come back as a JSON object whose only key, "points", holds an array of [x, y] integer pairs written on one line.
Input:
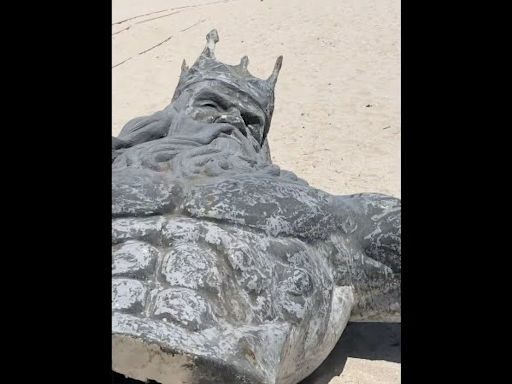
{"points": [[372, 341]]}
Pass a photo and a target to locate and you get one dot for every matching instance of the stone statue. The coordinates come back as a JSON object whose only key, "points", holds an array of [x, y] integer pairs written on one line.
{"points": [[225, 268]]}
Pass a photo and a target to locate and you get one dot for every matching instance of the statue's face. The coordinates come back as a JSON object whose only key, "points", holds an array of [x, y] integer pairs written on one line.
{"points": [[214, 102], [213, 130]]}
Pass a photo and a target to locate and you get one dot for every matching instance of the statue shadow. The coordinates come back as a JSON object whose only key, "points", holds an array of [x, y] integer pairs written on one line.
{"points": [[371, 341]]}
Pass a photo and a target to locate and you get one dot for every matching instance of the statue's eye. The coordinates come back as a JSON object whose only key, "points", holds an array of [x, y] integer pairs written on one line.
{"points": [[250, 119], [209, 105]]}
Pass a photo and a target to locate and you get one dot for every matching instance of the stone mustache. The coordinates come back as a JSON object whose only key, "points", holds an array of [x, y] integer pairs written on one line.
{"points": [[225, 268]]}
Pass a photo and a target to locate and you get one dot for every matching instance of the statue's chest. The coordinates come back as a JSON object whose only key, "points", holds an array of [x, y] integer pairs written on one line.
{"points": [[274, 207], [247, 274], [188, 282], [269, 204]]}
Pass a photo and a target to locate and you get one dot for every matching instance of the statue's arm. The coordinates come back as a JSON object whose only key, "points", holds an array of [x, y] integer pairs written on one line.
{"points": [[375, 222], [372, 225], [144, 129]]}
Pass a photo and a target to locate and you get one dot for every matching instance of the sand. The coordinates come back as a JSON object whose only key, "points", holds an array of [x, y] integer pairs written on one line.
{"points": [[337, 116], [359, 371]]}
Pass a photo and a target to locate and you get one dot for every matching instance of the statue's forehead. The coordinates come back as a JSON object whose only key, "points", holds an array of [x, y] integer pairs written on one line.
{"points": [[226, 92]]}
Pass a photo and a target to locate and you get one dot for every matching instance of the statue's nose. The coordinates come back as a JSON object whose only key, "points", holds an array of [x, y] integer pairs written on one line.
{"points": [[233, 119]]}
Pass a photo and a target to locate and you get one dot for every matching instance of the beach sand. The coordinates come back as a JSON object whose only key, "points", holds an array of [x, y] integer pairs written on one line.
{"points": [[337, 118]]}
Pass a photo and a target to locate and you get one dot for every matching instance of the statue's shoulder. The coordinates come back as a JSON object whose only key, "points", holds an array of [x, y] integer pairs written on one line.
{"points": [[142, 192]]}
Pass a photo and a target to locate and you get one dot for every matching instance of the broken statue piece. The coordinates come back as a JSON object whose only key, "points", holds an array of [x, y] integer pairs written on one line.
{"points": [[225, 268]]}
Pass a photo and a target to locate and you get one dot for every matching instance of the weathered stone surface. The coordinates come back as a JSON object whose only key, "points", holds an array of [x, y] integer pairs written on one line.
{"points": [[134, 259], [226, 268], [128, 295], [183, 306]]}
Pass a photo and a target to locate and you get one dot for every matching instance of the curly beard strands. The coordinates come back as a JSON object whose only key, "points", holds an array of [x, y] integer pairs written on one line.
{"points": [[195, 149], [154, 155], [232, 153]]}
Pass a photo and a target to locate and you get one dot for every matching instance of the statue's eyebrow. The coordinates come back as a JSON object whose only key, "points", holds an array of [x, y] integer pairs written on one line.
{"points": [[208, 95]]}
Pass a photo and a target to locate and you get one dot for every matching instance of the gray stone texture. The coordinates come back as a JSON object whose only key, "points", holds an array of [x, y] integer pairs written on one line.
{"points": [[233, 270]]}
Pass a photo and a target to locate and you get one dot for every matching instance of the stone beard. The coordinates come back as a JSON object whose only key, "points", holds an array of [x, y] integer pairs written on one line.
{"points": [[223, 149], [227, 268]]}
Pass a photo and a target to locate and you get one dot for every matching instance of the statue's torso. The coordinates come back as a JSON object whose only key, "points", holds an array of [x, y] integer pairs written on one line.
{"points": [[238, 260], [186, 282]]}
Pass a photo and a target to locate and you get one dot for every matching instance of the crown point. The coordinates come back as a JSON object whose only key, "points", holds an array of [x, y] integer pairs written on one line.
{"points": [[212, 38], [279, 64], [275, 73], [244, 62], [184, 66]]}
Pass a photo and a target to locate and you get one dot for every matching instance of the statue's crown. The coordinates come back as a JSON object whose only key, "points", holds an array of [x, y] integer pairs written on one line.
{"points": [[207, 67]]}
